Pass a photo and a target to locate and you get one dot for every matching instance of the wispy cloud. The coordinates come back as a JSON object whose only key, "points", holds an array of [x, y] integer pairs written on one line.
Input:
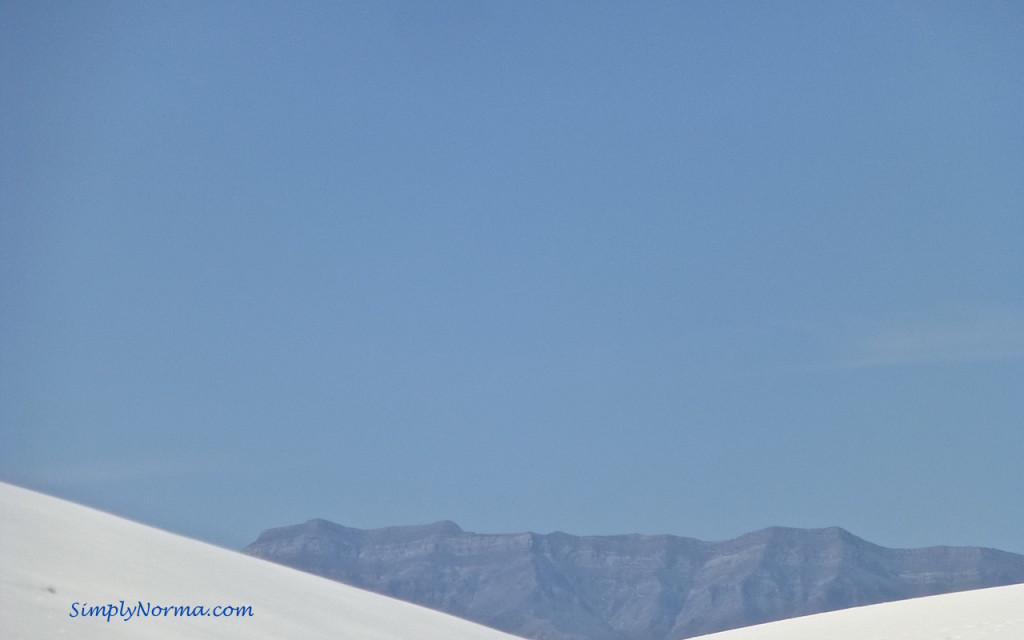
{"points": [[968, 335]]}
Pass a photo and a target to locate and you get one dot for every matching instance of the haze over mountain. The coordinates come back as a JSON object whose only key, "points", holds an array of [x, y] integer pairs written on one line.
{"points": [[673, 258], [631, 587]]}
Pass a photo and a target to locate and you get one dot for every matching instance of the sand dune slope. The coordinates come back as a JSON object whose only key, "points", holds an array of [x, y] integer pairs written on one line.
{"points": [[54, 554], [983, 614]]}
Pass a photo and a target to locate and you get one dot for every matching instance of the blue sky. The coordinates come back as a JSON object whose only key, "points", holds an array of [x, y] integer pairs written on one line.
{"points": [[689, 268]]}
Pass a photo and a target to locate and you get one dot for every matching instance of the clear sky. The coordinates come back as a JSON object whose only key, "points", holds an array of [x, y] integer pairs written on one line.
{"points": [[689, 267]]}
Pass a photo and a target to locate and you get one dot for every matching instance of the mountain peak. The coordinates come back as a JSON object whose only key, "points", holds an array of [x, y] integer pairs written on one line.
{"points": [[440, 527]]}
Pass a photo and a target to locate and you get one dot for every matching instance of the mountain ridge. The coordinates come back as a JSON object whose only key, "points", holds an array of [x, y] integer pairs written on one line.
{"points": [[559, 586]]}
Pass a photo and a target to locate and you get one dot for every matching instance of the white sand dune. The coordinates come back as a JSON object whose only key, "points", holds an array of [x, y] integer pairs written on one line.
{"points": [[983, 614], [57, 559], [54, 554]]}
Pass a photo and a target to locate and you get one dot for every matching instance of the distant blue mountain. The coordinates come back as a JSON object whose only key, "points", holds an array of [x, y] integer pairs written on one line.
{"points": [[631, 587]]}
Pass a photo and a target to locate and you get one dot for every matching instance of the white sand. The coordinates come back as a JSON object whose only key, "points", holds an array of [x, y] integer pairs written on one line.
{"points": [[984, 614], [54, 553]]}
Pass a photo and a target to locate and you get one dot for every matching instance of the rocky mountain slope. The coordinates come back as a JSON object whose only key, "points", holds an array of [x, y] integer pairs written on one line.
{"points": [[564, 587]]}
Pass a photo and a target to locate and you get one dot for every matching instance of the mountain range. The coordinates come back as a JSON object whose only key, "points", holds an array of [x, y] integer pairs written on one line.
{"points": [[632, 587]]}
